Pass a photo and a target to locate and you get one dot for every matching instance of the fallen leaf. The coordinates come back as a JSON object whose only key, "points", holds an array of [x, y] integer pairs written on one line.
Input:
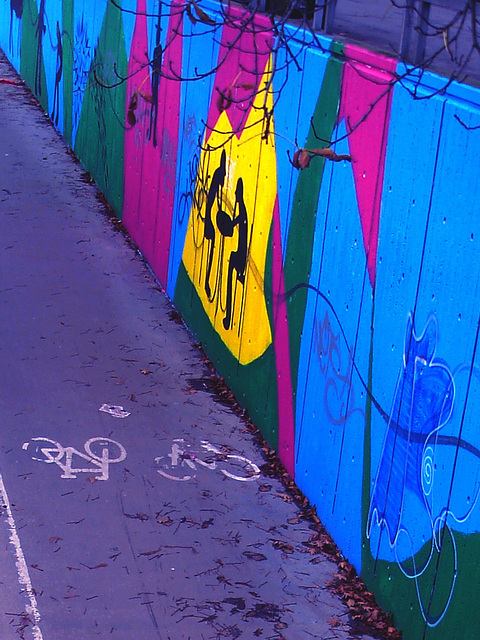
{"points": [[446, 43], [326, 152], [188, 8], [301, 159], [146, 96], [284, 496], [283, 546], [143, 517], [131, 118], [253, 555], [100, 565], [133, 104], [330, 154], [207, 523], [224, 100], [265, 610], [149, 553], [239, 603], [202, 16], [374, 615]]}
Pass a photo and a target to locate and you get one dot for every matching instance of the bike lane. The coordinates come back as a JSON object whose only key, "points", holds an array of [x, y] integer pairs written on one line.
{"points": [[156, 524]]}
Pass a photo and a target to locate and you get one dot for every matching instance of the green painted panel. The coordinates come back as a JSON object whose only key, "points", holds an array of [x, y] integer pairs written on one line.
{"points": [[304, 209], [394, 591], [100, 137], [32, 68], [254, 385]]}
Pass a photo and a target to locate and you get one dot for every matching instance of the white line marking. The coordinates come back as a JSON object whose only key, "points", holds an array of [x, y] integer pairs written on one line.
{"points": [[114, 410], [22, 569], [179, 455], [54, 452]]}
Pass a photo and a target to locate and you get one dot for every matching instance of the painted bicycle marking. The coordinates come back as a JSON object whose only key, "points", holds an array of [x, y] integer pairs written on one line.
{"points": [[99, 454], [179, 463]]}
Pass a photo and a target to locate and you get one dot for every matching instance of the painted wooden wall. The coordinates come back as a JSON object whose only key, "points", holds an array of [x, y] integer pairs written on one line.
{"points": [[341, 301]]}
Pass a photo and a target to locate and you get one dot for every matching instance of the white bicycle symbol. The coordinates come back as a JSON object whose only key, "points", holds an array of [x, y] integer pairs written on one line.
{"points": [[99, 452], [178, 461]]}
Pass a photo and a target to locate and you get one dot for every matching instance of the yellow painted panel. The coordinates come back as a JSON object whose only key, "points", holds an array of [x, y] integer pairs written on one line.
{"points": [[226, 243]]}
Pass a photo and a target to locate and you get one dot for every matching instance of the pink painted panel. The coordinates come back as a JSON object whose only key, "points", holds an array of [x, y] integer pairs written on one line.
{"points": [[167, 134], [245, 47], [151, 143], [365, 106], [141, 158], [134, 134], [286, 425]]}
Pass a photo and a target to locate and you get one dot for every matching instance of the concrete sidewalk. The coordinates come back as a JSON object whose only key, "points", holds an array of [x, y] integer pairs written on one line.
{"points": [[152, 525]]}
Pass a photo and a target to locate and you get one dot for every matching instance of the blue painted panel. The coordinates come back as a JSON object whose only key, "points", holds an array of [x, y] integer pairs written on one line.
{"points": [[306, 37], [296, 95], [430, 84], [331, 397], [449, 290], [5, 28], [52, 64], [10, 34], [88, 20], [200, 56], [411, 161], [432, 475], [157, 28], [287, 87], [129, 17]]}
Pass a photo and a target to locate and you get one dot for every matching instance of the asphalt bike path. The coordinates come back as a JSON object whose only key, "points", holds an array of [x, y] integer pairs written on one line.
{"points": [[132, 505]]}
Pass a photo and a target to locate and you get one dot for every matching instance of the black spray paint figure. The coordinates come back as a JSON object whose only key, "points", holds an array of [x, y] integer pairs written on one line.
{"points": [[16, 6], [40, 32], [214, 193], [156, 73], [58, 76], [238, 258]]}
